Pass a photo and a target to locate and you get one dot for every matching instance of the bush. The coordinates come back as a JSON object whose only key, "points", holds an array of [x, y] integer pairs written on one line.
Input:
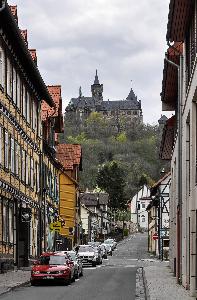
{"points": [[126, 232]]}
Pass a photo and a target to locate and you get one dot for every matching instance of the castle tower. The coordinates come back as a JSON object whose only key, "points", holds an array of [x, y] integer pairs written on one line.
{"points": [[97, 92]]}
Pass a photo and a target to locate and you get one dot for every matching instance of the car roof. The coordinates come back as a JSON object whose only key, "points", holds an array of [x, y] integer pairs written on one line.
{"points": [[54, 254]]}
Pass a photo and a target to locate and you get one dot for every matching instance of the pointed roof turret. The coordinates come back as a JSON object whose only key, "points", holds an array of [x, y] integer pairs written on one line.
{"points": [[96, 80], [80, 92], [131, 95]]}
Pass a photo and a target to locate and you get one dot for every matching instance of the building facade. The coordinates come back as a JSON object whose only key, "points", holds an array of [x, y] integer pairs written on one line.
{"points": [[138, 205], [179, 143], [21, 92]]}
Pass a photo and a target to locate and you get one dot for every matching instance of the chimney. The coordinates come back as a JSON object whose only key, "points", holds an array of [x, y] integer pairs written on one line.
{"points": [[33, 55], [13, 9], [24, 35]]}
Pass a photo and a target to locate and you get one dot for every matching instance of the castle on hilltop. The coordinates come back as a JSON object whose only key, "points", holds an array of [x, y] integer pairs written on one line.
{"points": [[129, 107]]}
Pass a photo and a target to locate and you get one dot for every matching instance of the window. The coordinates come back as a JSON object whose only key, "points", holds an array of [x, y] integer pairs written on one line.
{"points": [[5, 227], [143, 205], [18, 100], [1, 145], [23, 156], [9, 78], [14, 96], [36, 175], [2, 68], [17, 158], [28, 107], [24, 101], [143, 218], [27, 169], [11, 225], [31, 172], [6, 149], [12, 155]]}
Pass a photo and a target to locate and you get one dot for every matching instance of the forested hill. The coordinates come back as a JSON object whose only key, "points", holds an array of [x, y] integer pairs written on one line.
{"points": [[135, 147]]}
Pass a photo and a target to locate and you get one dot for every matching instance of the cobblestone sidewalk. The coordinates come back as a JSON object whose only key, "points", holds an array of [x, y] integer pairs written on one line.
{"points": [[13, 279], [161, 285]]}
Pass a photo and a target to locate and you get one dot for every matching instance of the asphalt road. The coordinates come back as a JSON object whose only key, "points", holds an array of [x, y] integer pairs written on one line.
{"points": [[115, 279]]}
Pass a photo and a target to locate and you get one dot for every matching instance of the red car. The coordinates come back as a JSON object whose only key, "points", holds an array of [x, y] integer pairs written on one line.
{"points": [[53, 266]]}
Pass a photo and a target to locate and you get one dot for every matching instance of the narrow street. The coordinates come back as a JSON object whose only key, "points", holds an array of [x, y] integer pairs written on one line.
{"points": [[114, 279]]}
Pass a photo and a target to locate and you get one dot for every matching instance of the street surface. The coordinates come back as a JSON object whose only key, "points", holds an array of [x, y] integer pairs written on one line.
{"points": [[115, 279]]}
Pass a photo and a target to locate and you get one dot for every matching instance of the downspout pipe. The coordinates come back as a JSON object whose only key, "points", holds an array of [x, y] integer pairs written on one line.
{"points": [[179, 206]]}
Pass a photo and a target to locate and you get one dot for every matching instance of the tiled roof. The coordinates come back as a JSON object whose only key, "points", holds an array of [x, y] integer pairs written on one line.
{"points": [[47, 111], [91, 199], [130, 103], [105, 105], [69, 155]]}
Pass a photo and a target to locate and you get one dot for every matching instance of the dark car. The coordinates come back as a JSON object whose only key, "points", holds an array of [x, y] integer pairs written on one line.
{"points": [[53, 266]]}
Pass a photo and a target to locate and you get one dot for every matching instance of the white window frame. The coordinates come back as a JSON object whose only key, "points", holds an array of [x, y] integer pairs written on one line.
{"points": [[12, 155], [23, 156], [6, 149], [2, 67], [9, 78], [17, 158], [14, 88], [31, 172]]}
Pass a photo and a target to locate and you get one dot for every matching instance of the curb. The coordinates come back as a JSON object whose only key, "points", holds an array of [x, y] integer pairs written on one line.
{"points": [[147, 295], [12, 288]]}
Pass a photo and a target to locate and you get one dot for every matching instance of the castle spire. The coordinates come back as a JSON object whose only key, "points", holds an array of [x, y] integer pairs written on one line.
{"points": [[80, 92], [96, 80]]}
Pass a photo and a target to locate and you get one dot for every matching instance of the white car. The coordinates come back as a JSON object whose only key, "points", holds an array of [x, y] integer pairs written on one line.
{"points": [[77, 263], [87, 255], [111, 242]]}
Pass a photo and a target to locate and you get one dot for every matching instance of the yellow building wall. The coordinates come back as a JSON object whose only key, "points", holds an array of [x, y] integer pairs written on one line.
{"points": [[67, 204]]}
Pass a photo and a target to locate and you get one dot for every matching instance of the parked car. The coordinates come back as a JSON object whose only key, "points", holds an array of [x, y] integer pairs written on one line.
{"points": [[111, 242], [103, 251], [53, 266], [108, 248], [98, 252], [87, 255], [77, 263]]}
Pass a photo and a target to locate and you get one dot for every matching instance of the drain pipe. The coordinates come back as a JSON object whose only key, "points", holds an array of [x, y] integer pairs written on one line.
{"points": [[179, 206]]}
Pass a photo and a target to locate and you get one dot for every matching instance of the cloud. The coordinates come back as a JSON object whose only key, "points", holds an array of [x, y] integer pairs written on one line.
{"points": [[123, 39]]}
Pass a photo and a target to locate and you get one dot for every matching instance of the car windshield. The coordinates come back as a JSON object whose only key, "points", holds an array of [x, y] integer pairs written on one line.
{"points": [[52, 260], [86, 249], [73, 256], [108, 242]]}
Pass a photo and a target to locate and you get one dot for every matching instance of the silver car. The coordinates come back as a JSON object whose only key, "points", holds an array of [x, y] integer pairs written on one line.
{"points": [[87, 255], [77, 263]]}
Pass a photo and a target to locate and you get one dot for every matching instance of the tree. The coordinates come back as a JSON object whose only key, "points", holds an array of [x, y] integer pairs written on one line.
{"points": [[111, 178]]}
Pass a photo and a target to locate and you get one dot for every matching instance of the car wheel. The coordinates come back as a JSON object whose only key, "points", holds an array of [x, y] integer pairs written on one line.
{"points": [[68, 281], [105, 256], [33, 283], [73, 279], [94, 264], [77, 274], [111, 253]]}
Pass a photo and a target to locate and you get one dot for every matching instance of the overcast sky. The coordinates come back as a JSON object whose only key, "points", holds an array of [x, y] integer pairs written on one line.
{"points": [[123, 39]]}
